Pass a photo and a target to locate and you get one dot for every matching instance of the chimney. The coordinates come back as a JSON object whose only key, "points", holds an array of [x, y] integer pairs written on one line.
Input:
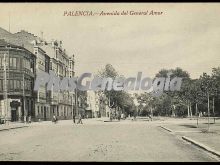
{"points": [[61, 44]]}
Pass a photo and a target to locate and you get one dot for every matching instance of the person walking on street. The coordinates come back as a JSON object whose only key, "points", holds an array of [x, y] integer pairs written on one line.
{"points": [[150, 117], [25, 119], [74, 118], [80, 119], [29, 119], [54, 119]]}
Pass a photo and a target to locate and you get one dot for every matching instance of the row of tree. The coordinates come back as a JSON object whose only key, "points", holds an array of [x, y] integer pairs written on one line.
{"points": [[199, 97]]}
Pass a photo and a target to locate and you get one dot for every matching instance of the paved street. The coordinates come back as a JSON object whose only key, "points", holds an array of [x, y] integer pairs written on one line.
{"points": [[96, 140]]}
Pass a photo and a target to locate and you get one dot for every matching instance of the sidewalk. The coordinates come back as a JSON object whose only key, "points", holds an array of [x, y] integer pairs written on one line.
{"points": [[200, 135], [12, 125]]}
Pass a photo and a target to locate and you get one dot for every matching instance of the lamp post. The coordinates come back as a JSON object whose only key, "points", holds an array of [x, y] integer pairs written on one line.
{"points": [[76, 101], [5, 89], [72, 108]]}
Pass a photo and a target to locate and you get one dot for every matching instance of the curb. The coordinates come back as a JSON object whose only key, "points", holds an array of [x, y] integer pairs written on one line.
{"points": [[201, 146], [167, 129], [5, 129], [110, 121]]}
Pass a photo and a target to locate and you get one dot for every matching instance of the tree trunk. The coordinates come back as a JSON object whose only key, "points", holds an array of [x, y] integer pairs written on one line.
{"points": [[188, 108], [208, 113], [197, 114], [213, 107]]}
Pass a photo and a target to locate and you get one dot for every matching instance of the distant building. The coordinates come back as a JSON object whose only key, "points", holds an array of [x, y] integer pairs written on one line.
{"points": [[97, 104], [93, 104], [104, 109]]}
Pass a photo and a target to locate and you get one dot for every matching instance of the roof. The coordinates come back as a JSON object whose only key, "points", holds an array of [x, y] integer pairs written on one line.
{"points": [[4, 43], [49, 50], [13, 39], [28, 41]]}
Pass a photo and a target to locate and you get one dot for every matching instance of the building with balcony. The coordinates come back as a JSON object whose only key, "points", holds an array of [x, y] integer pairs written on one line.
{"points": [[47, 56], [62, 104], [17, 74]]}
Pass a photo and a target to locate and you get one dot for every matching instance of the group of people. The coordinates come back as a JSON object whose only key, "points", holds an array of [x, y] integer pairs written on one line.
{"points": [[55, 120], [27, 119], [117, 116], [79, 119]]}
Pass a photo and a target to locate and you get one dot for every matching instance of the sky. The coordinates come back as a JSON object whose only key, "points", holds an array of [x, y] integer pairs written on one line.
{"points": [[184, 35]]}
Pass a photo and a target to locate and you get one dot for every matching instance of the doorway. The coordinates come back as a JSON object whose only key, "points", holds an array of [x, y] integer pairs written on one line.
{"points": [[14, 114], [45, 114]]}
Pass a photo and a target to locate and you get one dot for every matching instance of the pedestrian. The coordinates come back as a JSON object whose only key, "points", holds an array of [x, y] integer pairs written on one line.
{"points": [[29, 119], [80, 119], [25, 119], [119, 116], [150, 117], [122, 116], [111, 116], [74, 118], [54, 119]]}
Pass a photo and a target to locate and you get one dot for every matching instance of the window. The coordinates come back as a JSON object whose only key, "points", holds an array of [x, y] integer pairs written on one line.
{"points": [[50, 65], [16, 84], [57, 112], [28, 84], [27, 64], [13, 62], [11, 85], [1, 85], [18, 63], [1, 62], [38, 109]]}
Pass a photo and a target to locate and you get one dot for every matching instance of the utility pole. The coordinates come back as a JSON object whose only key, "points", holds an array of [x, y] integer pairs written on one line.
{"points": [[208, 112], [72, 105], [25, 113], [76, 101], [213, 107], [5, 89]]}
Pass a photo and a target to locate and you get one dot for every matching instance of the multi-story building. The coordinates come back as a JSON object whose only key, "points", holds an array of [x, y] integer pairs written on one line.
{"points": [[42, 105], [46, 56], [97, 104], [62, 103], [93, 104], [17, 72]]}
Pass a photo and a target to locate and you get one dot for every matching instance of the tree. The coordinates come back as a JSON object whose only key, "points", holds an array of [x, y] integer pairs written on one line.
{"points": [[176, 98], [216, 87], [207, 87], [196, 95], [118, 100]]}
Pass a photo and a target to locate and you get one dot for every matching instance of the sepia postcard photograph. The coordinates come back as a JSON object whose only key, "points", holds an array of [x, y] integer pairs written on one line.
{"points": [[109, 82]]}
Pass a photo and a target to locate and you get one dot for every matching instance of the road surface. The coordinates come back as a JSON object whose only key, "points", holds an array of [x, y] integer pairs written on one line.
{"points": [[96, 141]]}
